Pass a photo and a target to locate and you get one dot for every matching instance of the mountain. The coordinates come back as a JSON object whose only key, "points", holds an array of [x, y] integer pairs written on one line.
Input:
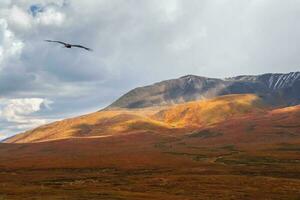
{"points": [[234, 146], [172, 105], [276, 89], [173, 119], [260, 132], [252, 155]]}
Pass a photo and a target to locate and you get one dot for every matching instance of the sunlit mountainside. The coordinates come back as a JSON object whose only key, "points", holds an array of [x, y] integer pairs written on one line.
{"points": [[154, 144]]}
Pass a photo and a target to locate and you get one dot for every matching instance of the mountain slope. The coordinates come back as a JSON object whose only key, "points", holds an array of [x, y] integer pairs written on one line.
{"points": [[98, 124], [171, 106], [228, 147], [254, 156], [212, 111], [268, 138], [277, 89], [161, 120]]}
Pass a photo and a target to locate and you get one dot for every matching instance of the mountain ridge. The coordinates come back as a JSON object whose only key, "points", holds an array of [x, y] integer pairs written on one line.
{"points": [[278, 89], [187, 100]]}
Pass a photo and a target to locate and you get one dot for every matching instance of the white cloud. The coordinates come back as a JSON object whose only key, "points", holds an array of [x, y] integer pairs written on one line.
{"points": [[5, 3], [21, 112], [20, 18], [170, 9], [2, 136], [50, 16], [10, 46], [188, 40], [16, 107]]}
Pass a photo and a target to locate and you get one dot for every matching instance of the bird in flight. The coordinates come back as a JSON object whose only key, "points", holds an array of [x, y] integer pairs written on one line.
{"points": [[66, 45]]}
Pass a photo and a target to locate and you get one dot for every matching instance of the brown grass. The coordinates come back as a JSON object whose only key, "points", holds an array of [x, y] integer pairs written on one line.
{"points": [[254, 155]]}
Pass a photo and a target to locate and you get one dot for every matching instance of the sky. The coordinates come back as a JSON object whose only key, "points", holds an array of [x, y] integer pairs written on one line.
{"points": [[135, 43]]}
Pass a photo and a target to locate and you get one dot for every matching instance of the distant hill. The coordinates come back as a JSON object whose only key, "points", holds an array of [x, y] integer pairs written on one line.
{"points": [[174, 119], [276, 89], [168, 107]]}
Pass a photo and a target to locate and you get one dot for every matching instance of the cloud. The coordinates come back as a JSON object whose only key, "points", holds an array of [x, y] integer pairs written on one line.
{"points": [[19, 112], [29, 19], [20, 18], [49, 16], [5, 3], [2, 136], [10, 46]]}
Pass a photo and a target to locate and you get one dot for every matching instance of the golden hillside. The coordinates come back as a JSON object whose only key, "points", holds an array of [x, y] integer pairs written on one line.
{"points": [[208, 112], [253, 152], [169, 120]]}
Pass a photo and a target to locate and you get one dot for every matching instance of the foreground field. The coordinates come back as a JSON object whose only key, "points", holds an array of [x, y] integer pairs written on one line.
{"points": [[213, 183], [248, 152], [148, 166]]}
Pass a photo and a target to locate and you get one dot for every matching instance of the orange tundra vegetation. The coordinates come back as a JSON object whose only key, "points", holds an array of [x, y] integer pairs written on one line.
{"points": [[229, 147]]}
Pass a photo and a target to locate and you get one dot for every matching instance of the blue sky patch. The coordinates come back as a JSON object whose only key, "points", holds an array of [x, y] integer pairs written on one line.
{"points": [[35, 9]]}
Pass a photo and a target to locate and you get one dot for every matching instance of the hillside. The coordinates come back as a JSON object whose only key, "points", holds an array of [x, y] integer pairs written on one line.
{"points": [[162, 120], [253, 156], [227, 147], [276, 89], [273, 133]]}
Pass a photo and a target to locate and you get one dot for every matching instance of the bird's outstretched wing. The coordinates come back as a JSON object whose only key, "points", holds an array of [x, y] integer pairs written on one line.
{"points": [[56, 42], [83, 47]]}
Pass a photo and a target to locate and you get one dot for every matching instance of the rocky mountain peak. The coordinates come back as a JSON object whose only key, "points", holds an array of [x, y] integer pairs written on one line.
{"points": [[277, 88]]}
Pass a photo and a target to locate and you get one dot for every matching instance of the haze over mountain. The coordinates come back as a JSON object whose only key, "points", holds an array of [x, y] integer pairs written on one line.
{"points": [[276, 89]]}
